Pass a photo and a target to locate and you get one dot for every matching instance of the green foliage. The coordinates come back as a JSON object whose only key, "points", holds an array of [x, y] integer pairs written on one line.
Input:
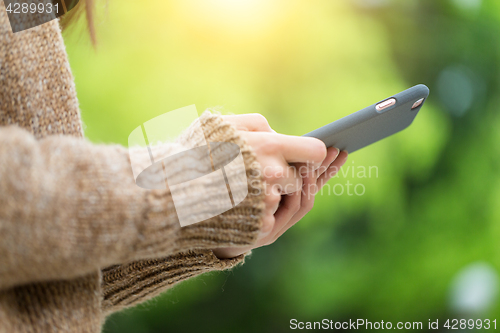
{"points": [[390, 254]]}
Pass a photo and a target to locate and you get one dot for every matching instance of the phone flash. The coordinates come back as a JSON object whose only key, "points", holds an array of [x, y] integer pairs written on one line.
{"points": [[417, 103]]}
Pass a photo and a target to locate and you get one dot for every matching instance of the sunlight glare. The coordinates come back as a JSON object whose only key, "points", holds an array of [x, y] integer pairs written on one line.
{"points": [[236, 16]]}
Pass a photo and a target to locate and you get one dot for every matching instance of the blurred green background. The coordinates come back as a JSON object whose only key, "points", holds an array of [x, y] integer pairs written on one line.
{"points": [[421, 243]]}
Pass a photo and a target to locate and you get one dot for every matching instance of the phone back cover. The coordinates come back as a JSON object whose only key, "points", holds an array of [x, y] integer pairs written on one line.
{"points": [[368, 125]]}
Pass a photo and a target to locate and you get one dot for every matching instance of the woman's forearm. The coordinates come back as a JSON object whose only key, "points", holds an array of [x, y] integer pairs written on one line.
{"points": [[70, 207]]}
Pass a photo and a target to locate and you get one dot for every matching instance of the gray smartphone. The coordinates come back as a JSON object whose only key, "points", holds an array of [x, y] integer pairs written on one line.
{"points": [[375, 122]]}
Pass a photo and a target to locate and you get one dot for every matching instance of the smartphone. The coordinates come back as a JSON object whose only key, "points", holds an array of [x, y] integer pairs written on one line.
{"points": [[375, 122]]}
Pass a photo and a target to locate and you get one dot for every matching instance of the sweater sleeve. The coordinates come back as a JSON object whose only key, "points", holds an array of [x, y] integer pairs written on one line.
{"points": [[69, 207], [129, 284]]}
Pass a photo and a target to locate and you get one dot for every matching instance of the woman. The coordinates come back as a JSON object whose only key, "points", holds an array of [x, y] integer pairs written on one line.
{"points": [[78, 238]]}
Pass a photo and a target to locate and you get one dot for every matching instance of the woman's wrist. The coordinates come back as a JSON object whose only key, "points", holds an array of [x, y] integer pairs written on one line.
{"points": [[239, 226]]}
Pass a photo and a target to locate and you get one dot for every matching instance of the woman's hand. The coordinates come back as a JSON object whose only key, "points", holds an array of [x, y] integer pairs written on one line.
{"points": [[294, 169]]}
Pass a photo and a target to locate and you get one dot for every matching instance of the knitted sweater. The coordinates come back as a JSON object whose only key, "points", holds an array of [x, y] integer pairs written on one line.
{"points": [[78, 238]]}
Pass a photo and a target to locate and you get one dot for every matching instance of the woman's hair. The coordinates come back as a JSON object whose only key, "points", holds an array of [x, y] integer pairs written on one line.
{"points": [[83, 6]]}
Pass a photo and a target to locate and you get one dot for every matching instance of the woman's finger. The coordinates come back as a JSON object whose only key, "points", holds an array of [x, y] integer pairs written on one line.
{"points": [[333, 169], [253, 122], [296, 149], [292, 149], [282, 177], [271, 200], [331, 154], [309, 190], [307, 195], [289, 206]]}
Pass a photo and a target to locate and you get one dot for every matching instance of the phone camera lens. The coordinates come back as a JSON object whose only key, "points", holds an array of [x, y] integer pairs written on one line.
{"points": [[417, 103]]}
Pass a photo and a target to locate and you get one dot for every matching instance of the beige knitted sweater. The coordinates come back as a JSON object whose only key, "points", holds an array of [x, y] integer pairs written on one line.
{"points": [[78, 239]]}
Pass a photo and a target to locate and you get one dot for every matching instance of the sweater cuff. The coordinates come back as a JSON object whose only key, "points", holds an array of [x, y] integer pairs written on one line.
{"points": [[160, 232], [130, 284]]}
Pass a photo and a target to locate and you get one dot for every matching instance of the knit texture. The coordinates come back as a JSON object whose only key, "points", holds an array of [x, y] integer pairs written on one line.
{"points": [[78, 238]]}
